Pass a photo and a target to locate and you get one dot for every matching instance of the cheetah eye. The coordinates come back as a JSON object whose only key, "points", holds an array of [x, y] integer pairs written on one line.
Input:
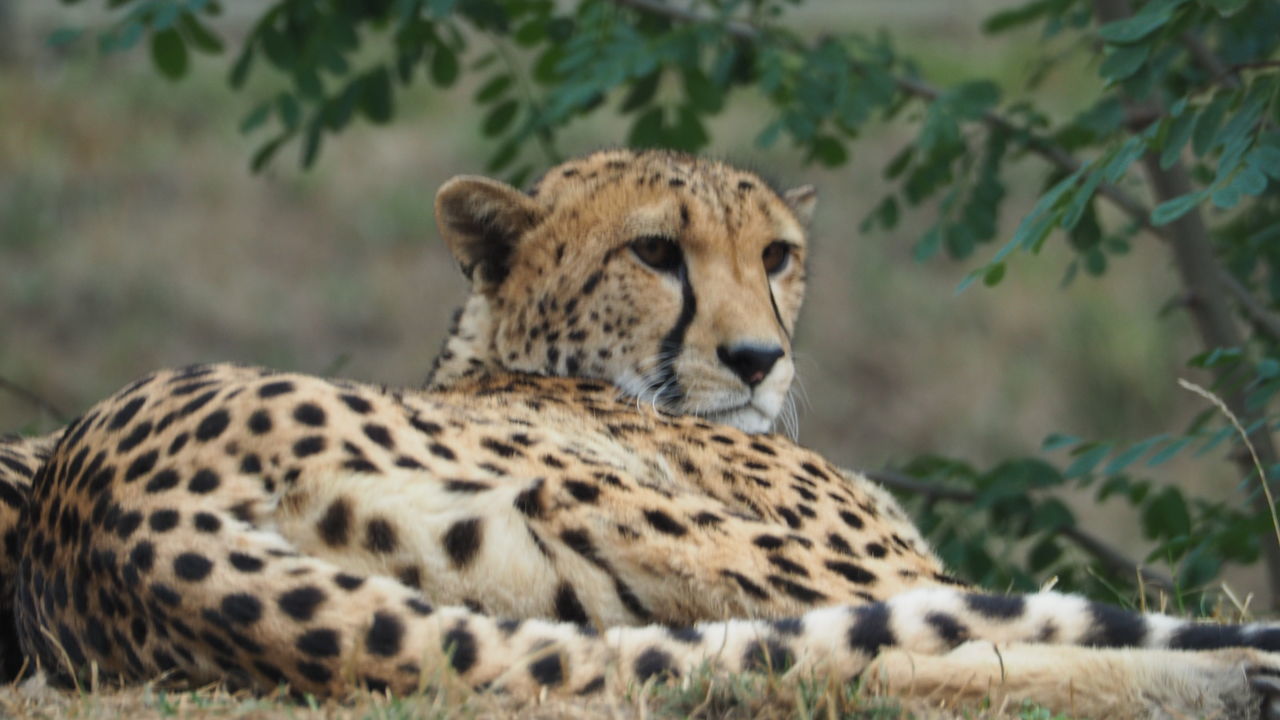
{"points": [[658, 252], [775, 256]]}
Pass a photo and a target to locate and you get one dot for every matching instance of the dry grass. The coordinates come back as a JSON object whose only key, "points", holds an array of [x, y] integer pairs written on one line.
{"points": [[741, 696]]}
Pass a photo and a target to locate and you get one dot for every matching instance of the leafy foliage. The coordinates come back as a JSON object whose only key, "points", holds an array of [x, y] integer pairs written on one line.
{"points": [[1190, 88]]}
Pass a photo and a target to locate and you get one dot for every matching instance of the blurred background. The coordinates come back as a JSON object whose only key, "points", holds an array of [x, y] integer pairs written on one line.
{"points": [[133, 236]]}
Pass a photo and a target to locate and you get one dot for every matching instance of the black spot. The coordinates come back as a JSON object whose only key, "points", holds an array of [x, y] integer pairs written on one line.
{"points": [[767, 656], [301, 603], [143, 556], [870, 630], [460, 646], [568, 606], [851, 519], [499, 447], [385, 635], [948, 627], [529, 501], [747, 585], [141, 465], [442, 451], [245, 563], [259, 422], [410, 576], [357, 404], [251, 464], [664, 523], [876, 550], [273, 389], [192, 567], [686, 634], [547, 670], [852, 572], [164, 520], [335, 526], [1113, 627], [800, 592], [379, 434], [654, 662], [204, 481], [999, 607], [380, 536], [419, 607], [212, 425], [582, 491], [465, 486], [315, 672], [348, 582], [127, 524], [242, 608], [140, 432], [1207, 637], [206, 522], [580, 542], [166, 594], [426, 427], [321, 642], [788, 566], [462, 541], [592, 281], [768, 542], [788, 626], [308, 446], [126, 413]]}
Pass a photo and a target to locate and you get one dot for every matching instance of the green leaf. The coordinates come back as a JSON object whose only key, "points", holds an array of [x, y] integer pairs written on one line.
{"points": [[240, 70], [1123, 61], [264, 154], [993, 275], [1250, 181], [1087, 458], [255, 118], [1057, 441], [375, 95], [444, 66], [1166, 515], [1051, 515], [200, 37], [1043, 554], [1150, 18], [971, 99], [311, 143], [647, 130], [1226, 8], [1131, 455], [441, 8], [1207, 123], [63, 37], [493, 89], [641, 92], [1168, 452], [828, 151], [1170, 210], [1179, 132], [499, 118], [1265, 159], [1226, 197], [169, 53], [290, 112]]}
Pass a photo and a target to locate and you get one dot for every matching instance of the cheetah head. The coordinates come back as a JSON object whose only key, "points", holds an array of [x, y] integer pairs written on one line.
{"points": [[678, 279]]}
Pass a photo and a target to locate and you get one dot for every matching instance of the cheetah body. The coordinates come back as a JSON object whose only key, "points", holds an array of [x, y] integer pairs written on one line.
{"points": [[581, 499]]}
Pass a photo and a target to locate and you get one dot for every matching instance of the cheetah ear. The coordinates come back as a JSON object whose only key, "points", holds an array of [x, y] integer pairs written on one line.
{"points": [[481, 221], [802, 201]]}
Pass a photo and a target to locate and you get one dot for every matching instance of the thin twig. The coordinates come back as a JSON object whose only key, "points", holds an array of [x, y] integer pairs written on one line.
{"points": [[1109, 556], [34, 398], [1261, 317]]}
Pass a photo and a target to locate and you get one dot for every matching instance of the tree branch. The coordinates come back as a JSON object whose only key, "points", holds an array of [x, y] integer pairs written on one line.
{"points": [[1111, 558], [34, 399]]}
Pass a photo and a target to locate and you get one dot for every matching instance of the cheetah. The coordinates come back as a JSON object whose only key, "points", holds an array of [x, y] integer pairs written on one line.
{"points": [[584, 497]]}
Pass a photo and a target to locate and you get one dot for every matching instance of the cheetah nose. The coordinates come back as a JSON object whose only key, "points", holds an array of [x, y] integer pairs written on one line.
{"points": [[750, 362]]}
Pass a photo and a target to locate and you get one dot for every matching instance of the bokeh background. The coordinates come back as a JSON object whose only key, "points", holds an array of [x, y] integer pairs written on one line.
{"points": [[133, 236]]}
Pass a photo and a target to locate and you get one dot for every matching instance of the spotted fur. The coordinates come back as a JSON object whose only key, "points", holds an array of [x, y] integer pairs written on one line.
{"points": [[525, 523]]}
